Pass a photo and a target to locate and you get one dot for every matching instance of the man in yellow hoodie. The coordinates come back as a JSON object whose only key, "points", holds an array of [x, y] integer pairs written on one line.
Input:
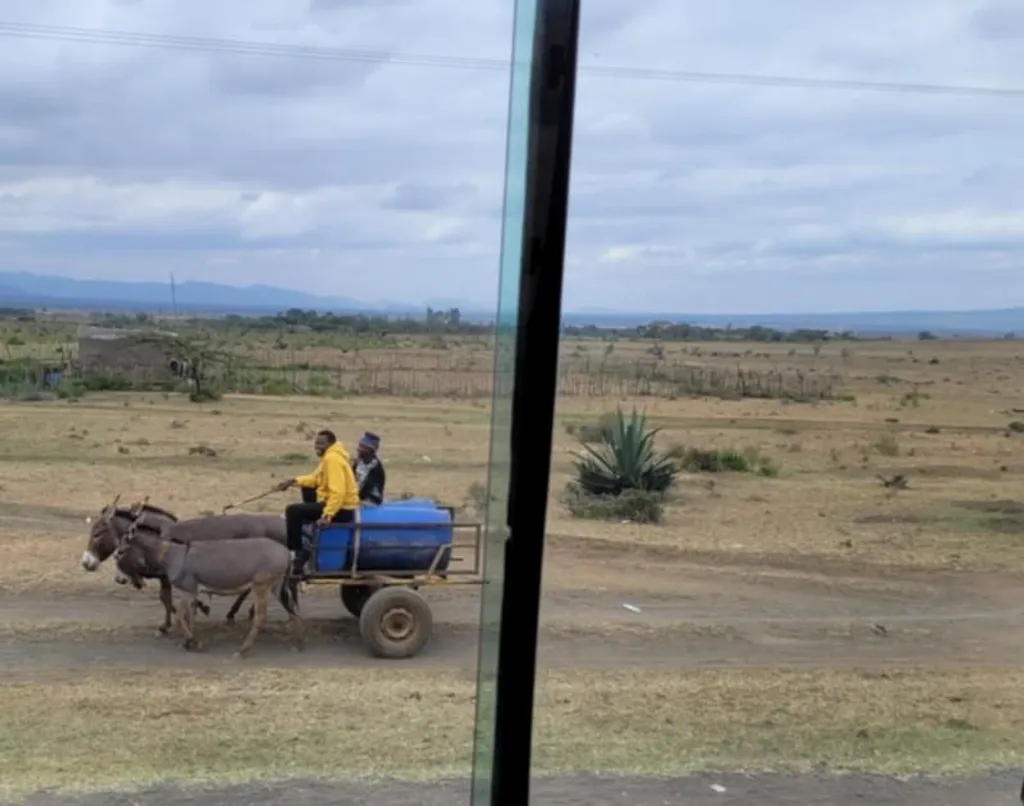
{"points": [[337, 495]]}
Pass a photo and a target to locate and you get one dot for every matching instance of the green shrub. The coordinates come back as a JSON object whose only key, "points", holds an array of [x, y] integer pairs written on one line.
{"points": [[206, 394], [95, 382], [26, 394], [626, 460], [277, 386], [697, 460], [71, 389], [1017, 426], [638, 506], [717, 460], [20, 372], [321, 385]]}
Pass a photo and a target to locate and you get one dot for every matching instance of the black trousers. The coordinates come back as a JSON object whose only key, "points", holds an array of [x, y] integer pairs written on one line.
{"points": [[298, 515]]}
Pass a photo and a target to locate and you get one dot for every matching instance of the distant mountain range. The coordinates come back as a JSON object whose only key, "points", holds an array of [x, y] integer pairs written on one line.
{"points": [[983, 323], [24, 290]]}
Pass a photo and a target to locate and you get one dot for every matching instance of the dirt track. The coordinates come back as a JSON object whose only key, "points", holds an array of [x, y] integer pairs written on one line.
{"points": [[767, 790], [719, 618], [733, 620]]}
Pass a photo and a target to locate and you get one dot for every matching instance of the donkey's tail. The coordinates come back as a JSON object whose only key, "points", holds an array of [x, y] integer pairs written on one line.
{"points": [[288, 593]]}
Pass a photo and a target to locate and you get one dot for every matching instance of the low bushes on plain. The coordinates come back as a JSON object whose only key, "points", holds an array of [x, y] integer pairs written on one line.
{"points": [[623, 476]]}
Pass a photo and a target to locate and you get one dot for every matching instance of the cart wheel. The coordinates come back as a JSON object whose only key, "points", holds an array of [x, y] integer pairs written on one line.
{"points": [[354, 597], [395, 623]]}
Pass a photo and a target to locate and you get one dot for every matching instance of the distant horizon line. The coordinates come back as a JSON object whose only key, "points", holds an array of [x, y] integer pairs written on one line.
{"points": [[410, 309], [606, 320], [49, 297]]}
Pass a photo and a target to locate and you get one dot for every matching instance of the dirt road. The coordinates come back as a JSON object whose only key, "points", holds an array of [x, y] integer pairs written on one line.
{"points": [[728, 790], [714, 618]]}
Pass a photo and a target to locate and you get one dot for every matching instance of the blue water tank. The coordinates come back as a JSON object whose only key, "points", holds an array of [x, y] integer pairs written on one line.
{"points": [[388, 541]]}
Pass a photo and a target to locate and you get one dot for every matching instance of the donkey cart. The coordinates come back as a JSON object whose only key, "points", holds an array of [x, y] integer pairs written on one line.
{"points": [[380, 562]]}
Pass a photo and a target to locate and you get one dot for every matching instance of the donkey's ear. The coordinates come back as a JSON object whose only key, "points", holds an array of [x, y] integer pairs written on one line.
{"points": [[111, 509]]}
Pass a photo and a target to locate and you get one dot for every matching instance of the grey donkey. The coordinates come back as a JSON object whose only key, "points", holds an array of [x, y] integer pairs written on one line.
{"points": [[256, 565], [104, 536], [132, 565]]}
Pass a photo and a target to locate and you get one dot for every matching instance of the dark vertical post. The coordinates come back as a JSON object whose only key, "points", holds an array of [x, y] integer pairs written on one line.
{"points": [[549, 149]]}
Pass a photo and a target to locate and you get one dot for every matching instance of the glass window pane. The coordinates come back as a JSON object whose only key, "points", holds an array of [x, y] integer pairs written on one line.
{"points": [[236, 217], [796, 248], [501, 416]]}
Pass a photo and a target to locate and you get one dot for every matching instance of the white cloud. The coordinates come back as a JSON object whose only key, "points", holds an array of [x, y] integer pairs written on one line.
{"points": [[964, 225], [622, 254], [375, 180], [638, 253]]}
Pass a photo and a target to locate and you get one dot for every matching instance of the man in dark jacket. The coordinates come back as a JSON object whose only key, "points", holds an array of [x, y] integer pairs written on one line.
{"points": [[369, 470]]}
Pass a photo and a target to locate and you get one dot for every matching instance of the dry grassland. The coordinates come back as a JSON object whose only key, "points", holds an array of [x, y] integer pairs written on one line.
{"points": [[937, 412], [133, 729]]}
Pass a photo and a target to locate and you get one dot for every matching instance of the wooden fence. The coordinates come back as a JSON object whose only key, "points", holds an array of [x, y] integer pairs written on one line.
{"points": [[460, 377]]}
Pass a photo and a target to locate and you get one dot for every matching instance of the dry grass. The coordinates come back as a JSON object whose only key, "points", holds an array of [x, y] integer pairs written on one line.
{"points": [[136, 728], [215, 632], [826, 503], [942, 425]]}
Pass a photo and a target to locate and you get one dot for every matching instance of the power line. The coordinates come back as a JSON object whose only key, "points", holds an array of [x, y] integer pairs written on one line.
{"points": [[242, 47], [239, 47]]}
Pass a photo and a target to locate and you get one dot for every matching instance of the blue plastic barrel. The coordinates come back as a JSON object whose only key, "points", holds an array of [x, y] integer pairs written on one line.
{"points": [[390, 546]]}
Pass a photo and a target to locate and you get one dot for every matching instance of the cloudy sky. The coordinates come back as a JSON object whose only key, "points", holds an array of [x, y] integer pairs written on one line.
{"points": [[383, 181]]}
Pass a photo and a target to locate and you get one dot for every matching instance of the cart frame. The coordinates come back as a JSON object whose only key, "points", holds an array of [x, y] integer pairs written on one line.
{"points": [[450, 576], [398, 623]]}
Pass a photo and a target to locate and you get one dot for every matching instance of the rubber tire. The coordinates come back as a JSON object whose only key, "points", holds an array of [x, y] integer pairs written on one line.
{"points": [[355, 597], [380, 603]]}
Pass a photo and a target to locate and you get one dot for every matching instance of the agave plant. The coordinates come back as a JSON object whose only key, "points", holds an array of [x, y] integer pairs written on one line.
{"points": [[626, 460]]}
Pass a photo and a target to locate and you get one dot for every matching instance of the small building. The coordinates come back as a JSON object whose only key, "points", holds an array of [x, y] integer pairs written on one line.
{"points": [[120, 353]]}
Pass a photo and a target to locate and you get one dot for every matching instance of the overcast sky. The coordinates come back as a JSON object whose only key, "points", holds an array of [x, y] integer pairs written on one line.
{"points": [[384, 181]]}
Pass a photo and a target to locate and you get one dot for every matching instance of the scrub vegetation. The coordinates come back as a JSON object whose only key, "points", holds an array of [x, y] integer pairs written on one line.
{"points": [[782, 553]]}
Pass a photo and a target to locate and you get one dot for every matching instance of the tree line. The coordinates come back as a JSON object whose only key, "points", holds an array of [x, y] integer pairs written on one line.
{"points": [[451, 321], [677, 331]]}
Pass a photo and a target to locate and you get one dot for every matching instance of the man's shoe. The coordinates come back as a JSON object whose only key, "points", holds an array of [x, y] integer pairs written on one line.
{"points": [[299, 560]]}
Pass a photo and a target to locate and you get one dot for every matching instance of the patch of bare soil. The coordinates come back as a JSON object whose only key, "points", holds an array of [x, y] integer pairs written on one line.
{"points": [[713, 620], [704, 790], [892, 518], [1000, 507], [835, 568], [950, 471], [1004, 516], [42, 515]]}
